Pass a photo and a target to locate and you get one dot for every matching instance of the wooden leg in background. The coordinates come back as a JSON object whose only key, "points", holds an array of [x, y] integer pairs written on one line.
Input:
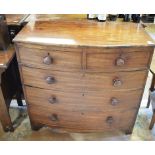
{"points": [[152, 121], [148, 102], [16, 76], [4, 114], [151, 89]]}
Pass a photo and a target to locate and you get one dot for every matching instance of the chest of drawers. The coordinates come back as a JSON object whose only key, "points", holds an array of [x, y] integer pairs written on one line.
{"points": [[83, 76]]}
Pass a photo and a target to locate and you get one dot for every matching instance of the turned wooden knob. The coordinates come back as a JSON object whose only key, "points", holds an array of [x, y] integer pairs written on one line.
{"points": [[48, 60], [109, 120], [114, 101], [52, 100], [53, 117], [120, 62], [117, 82], [50, 79]]}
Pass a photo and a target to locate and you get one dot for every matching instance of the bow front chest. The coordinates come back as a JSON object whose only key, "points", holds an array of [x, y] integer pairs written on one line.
{"points": [[83, 76]]}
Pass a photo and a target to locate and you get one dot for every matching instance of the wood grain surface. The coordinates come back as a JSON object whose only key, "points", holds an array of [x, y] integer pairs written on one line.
{"points": [[84, 33], [85, 101], [71, 59], [84, 121], [83, 76], [96, 59], [78, 81]]}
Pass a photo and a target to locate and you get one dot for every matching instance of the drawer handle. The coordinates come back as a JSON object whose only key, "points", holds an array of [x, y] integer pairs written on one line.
{"points": [[117, 82], [120, 62], [109, 120], [52, 100], [50, 79], [53, 117], [48, 60], [114, 101]]}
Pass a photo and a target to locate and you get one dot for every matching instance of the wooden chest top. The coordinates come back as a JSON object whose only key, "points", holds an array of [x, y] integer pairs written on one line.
{"points": [[84, 33]]}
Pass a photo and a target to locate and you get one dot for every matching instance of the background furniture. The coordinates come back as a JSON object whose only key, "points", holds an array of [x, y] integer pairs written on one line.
{"points": [[152, 89], [15, 23], [150, 29], [9, 82], [47, 17], [83, 76], [152, 86], [152, 100], [4, 35]]}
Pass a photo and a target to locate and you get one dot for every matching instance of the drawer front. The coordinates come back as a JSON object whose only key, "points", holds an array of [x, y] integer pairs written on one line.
{"points": [[118, 59], [87, 101], [52, 79], [79, 82], [115, 81], [51, 58], [88, 121]]}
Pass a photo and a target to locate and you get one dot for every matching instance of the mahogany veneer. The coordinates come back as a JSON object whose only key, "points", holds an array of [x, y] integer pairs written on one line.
{"points": [[83, 76]]}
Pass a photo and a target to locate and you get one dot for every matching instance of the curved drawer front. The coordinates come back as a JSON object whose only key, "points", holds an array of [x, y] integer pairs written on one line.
{"points": [[79, 82], [115, 80], [51, 58], [118, 59], [52, 79], [87, 121], [87, 101]]}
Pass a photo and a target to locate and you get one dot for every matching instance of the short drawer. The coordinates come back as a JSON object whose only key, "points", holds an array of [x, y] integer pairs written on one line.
{"points": [[88, 121], [51, 58], [118, 59], [86, 101], [79, 82]]}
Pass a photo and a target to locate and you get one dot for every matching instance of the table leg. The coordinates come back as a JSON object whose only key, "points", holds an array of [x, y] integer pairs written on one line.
{"points": [[152, 121], [151, 89], [4, 113], [16, 75]]}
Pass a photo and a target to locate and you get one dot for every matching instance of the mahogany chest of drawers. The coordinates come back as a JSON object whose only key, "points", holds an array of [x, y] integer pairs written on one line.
{"points": [[83, 76]]}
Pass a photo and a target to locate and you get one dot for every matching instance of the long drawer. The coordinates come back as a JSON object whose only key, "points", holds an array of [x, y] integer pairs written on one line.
{"points": [[86, 122], [87, 101], [78, 81]]}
